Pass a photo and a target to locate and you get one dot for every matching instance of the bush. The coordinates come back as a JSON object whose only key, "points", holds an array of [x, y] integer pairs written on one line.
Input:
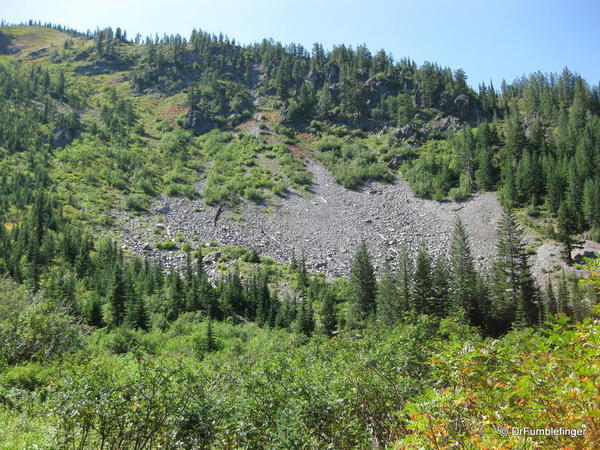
{"points": [[136, 202], [173, 190], [166, 245], [147, 187], [253, 194], [290, 140], [34, 328], [458, 194], [301, 178], [189, 191], [279, 188], [328, 143], [29, 376]]}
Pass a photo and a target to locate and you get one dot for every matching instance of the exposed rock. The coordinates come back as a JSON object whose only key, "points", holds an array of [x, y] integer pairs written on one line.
{"points": [[403, 133], [198, 122], [442, 126], [326, 232], [314, 77], [332, 73]]}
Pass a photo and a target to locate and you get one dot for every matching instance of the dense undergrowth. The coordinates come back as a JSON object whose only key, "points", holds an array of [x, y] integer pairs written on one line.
{"points": [[199, 383]]}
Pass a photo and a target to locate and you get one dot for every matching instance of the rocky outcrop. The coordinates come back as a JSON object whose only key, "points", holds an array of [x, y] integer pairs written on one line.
{"points": [[332, 73], [442, 126], [198, 122]]}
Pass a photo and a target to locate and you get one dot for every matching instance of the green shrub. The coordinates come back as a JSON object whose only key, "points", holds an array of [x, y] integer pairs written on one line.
{"points": [[328, 143], [253, 194], [189, 191], [147, 187], [136, 202], [166, 245], [279, 188], [173, 190], [29, 376], [458, 194], [290, 140]]}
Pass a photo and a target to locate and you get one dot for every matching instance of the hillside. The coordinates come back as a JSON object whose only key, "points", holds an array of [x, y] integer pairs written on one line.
{"points": [[377, 117], [210, 245]]}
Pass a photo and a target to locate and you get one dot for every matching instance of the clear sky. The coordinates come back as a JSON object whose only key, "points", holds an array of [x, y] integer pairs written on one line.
{"points": [[489, 39]]}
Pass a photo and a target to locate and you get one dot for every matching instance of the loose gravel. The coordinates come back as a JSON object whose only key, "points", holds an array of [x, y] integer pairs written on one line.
{"points": [[326, 225]]}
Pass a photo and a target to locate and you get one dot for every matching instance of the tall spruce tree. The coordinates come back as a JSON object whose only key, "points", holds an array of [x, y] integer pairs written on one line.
{"points": [[422, 292], [404, 277], [328, 312], [362, 283], [388, 307], [515, 293], [440, 304], [464, 277]]}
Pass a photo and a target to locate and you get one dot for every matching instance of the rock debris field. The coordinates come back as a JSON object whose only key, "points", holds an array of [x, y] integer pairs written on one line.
{"points": [[326, 226]]}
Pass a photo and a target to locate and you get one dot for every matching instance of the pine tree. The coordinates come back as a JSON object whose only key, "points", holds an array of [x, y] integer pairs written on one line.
{"points": [[440, 304], [117, 298], [325, 102], [422, 292], [567, 218], [302, 274], [515, 292], [404, 275], [388, 307], [591, 202], [328, 313], [210, 343], [464, 277], [362, 284], [305, 321], [135, 315], [551, 303], [485, 174], [563, 300]]}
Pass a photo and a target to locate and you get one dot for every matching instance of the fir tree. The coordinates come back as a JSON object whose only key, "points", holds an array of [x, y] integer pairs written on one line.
{"points": [[388, 307], [422, 293], [328, 313], [117, 298], [464, 277], [440, 305], [514, 291], [362, 283]]}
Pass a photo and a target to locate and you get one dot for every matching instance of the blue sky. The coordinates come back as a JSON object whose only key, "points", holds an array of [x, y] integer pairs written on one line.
{"points": [[489, 39]]}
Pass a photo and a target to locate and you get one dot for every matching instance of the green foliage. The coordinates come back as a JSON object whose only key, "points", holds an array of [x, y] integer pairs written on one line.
{"points": [[34, 328], [362, 284], [166, 245], [136, 202], [351, 165]]}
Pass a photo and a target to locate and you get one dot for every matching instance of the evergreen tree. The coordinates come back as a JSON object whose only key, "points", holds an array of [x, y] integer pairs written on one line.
{"points": [[440, 305], [135, 315], [404, 276], [117, 298], [464, 277], [515, 293], [328, 313], [422, 293], [362, 283], [325, 102], [387, 298], [210, 343], [567, 225]]}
